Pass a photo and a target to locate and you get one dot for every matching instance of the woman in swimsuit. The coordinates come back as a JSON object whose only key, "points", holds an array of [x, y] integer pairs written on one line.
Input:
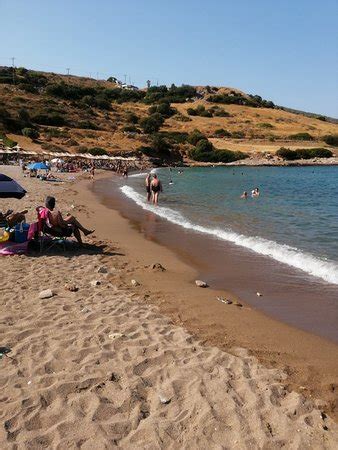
{"points": [[156, 187]]}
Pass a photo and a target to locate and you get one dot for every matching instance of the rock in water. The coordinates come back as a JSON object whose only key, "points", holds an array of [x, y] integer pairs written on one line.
{"points": [[201, 284], [47, 293]]}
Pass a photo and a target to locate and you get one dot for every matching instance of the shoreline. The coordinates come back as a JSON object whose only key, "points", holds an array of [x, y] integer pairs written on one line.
{"points": [[309, 359]]}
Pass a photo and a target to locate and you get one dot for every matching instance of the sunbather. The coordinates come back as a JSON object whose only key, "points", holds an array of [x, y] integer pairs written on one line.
{"points": [[65, 226]]}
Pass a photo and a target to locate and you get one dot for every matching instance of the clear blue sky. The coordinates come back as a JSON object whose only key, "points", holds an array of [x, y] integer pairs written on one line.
{"points": [[283, 50]]}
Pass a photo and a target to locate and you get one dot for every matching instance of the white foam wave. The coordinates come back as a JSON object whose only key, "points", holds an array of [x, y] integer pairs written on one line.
{"points": [[326, 270], [137, 175]]}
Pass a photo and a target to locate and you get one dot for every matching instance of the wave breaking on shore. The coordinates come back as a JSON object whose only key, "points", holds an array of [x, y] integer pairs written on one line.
{"points": [[312, 265]]}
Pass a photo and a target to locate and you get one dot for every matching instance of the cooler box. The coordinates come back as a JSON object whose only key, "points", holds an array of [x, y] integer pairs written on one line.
{"points": [[21, 232]]}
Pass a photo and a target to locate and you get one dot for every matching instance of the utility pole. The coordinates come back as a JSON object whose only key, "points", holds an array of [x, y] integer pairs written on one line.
{"points": [[13, 69], [68, 69], [148, 84]]}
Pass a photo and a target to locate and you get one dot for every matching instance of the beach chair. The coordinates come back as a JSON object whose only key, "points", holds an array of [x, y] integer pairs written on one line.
{"points": [[47, 236]]}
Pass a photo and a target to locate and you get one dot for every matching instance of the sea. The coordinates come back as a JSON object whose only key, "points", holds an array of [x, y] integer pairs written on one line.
{"points": [[294, 220]]}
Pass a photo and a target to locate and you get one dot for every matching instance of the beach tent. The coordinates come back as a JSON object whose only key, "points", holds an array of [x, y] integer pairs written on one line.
{"points": [[38, 166], [10, 188]]}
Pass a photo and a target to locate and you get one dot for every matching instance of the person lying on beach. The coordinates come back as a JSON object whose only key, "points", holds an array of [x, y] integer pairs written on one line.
{"points": [[65, 225], [156, 187], [11, 218]]}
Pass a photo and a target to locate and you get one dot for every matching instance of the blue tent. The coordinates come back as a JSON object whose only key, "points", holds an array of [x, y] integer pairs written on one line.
{"points": [[10, 188], [37, 166]]}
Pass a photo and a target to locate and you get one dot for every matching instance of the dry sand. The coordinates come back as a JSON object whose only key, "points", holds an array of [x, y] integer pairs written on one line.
{"points": [[102, 368]]}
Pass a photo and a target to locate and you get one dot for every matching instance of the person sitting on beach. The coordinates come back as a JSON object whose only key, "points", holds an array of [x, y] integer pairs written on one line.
{"points": [[244, 195], [156, 187], [148, 188], [64, 226]]}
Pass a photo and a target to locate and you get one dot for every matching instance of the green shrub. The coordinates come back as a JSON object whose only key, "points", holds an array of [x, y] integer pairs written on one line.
{"points": [[265, 125], [174, 94], [132, 118], [303, 153], [49, 119], [331, 139], [86, 125], [174, 137], [7, 141], [200, 111], [301, 137], [195, 136], [286, 153], [237, 98], [31, 133], [205, 152], [97, 151], [152, 123], [238, 134], [221, 133], [205, 113], [192, 112], [220, 112]]}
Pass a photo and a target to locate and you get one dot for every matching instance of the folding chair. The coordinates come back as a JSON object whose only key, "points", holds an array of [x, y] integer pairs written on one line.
{"points": [[47, 233]]}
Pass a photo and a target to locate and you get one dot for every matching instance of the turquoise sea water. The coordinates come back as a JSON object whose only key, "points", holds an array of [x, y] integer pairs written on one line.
{"points": [[294, 221]]}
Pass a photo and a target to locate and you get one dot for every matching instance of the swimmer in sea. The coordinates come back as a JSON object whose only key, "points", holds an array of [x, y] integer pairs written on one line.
{"points": [[156, 187], [255, 192], [244, 195]]}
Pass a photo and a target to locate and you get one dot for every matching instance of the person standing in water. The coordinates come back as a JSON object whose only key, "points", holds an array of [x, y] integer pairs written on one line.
{"points": [[156, 187], [148, 187]]}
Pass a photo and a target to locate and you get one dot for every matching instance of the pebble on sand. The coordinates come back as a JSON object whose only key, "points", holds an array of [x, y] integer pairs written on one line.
{"points": [[95, 283], [201, 284], [71, 287], [102, 269], [47, 293], [158, 266], [164, 399], [135, 283]]}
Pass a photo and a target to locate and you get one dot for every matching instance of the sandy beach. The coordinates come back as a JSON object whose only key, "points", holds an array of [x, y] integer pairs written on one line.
{"points": [[137, 356]]}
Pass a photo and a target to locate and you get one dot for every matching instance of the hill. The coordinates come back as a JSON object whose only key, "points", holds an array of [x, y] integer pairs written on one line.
{"points": [[52, 112]]}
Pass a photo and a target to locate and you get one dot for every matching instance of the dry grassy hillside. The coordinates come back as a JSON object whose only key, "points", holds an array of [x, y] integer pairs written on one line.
{"points": [[97, 119]]}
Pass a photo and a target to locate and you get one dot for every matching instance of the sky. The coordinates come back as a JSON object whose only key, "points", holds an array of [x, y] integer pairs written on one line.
{"points": [[284, 50]]}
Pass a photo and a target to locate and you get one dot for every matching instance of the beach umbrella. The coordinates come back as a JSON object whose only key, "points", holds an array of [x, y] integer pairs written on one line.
{"points": [[10, 188], [38, 166]]}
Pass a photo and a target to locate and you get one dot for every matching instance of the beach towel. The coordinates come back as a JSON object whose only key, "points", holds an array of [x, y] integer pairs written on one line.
{"points": [[13, 248]]}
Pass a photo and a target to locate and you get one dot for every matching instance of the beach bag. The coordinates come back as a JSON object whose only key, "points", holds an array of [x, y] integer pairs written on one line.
{"points": [[4, 235], [21, 232]]}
